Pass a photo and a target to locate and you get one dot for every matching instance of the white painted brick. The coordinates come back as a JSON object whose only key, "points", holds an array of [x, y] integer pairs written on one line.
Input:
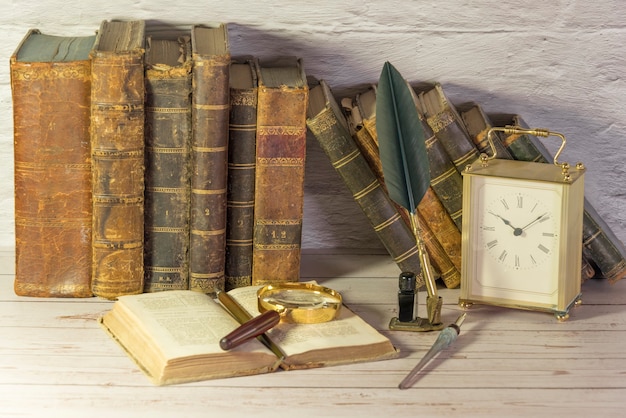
{"points": [[560, 64]]}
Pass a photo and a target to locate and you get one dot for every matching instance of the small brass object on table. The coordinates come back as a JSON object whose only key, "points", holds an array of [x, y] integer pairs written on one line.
{"points": [[301, 303]]}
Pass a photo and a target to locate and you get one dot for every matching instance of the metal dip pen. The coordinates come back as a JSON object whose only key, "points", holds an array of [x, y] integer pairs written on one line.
{"points": [[445, 338]]}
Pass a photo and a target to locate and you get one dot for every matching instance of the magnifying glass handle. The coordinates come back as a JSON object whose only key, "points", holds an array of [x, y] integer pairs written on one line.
{"points": [[250, 329]]}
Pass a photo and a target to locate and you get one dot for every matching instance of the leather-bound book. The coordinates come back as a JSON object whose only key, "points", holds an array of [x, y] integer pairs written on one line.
{"points": [[209, 156], [445, 180], [279, 179], [241, 170], [51, 84], [366, 103], [117, 152], [603, 248], [478, 123], [446, 234], [168, 169], [329, 126], [446, 123]]}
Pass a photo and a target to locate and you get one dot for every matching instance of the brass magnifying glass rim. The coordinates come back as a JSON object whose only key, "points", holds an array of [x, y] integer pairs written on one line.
{"points": [[302, 314]]}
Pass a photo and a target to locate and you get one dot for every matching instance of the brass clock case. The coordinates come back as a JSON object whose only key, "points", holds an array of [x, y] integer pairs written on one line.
{"points": [[522, 235]]}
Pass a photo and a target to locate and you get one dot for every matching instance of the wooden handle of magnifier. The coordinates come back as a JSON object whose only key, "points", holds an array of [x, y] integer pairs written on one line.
{"points": [[252, 328]]}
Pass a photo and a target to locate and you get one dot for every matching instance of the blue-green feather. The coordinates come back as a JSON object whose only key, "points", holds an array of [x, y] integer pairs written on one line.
{"points": [[401, 143]]}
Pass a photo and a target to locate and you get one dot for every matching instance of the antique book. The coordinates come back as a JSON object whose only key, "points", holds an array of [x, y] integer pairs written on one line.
{"points": [[174, 338], [209, 155], [51, 88], [241, 174], [329, 126], [445, 180], [117, 156], [605, 251], [478, 124], [445, 121], [279, 178], [366, 103], [446, 234], [442, 238], [168, 168]]}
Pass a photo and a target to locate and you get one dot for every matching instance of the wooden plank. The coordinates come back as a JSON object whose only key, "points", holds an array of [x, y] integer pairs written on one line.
{"points": [[197, 400]]}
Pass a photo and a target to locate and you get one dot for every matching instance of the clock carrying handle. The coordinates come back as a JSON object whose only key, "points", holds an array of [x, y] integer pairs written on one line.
{"points": [[513, 129]]}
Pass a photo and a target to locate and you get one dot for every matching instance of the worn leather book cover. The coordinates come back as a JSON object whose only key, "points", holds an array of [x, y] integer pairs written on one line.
{"points": [[117, 152], [279, 180], [168, 168], [478, 124], [209, 156], [51, 87], [603, 249], [330, 128], [446, 234], [241, 174], [445, 180], [445, 122]]}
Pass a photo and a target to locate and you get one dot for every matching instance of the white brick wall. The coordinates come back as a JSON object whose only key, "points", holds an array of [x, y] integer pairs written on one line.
{"points": [[560, 64]]}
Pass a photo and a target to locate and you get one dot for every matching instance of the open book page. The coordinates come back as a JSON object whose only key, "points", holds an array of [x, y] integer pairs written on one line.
{"points": [[184, 323], [346, 330]]}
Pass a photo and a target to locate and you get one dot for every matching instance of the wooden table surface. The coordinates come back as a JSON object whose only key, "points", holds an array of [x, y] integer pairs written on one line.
{"points": [[56, 361]]}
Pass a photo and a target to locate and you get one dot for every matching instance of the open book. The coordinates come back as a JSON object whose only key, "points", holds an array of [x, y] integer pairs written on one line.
{"points": [[174, 338]]}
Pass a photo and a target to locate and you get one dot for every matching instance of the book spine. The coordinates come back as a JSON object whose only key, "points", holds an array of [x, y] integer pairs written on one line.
{"points": [[445, 179], [279, 183], [167, 178], [446, 234], [210, 113], [354, 170], [607, 252], [117, 152], [478, 125], [52, 178], [447, 272], [446, 124], [241, 178]]}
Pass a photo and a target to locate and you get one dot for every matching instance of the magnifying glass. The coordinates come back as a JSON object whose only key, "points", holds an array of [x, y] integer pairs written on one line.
{"points": [[301, 303]]}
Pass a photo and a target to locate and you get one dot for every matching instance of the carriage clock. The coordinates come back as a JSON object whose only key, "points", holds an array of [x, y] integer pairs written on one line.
{"points": [[522, 231]]}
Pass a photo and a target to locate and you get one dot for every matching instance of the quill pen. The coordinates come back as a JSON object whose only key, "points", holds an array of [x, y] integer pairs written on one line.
{"points": [[404, 160]]}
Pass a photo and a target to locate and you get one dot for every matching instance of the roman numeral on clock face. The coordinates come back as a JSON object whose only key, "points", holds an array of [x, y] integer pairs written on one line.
{"points": [[543, 248]]}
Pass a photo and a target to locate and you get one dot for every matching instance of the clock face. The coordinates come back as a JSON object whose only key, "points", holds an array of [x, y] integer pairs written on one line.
{"points": [[514, 233]]}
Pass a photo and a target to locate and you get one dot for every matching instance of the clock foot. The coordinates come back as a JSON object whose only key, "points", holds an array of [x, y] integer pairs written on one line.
{"points": [[562, 316], [465, 304]]}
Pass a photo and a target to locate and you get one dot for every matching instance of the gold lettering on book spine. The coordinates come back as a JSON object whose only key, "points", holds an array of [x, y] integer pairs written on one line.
{"points": [[282, 161], [281, 130], [243, 99], [324, 122], [52, 73], [440, 121]]}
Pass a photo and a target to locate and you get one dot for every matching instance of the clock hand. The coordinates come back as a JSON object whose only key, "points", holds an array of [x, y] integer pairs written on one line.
{"points": [[535, 221], [516, 231]]}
